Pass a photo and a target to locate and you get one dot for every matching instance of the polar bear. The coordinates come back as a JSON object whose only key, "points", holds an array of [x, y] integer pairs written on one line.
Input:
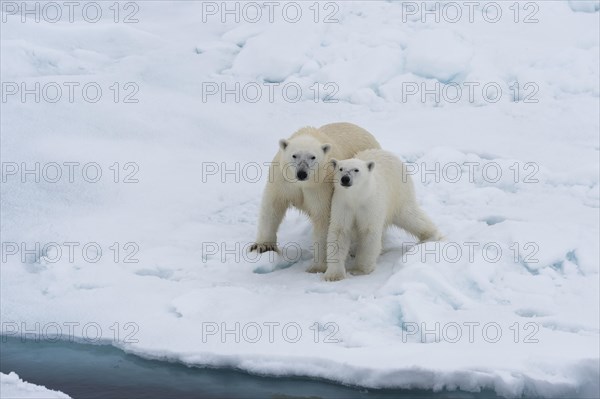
{"points": [[301, 176], [372, 191]]}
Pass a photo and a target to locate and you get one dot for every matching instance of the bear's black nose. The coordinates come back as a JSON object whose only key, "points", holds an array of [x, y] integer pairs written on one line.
{"points": [[346, 181], [302, 175]]}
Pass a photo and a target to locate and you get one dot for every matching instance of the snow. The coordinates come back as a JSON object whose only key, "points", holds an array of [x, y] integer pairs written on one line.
{"points": [[438, 53], [584, 6], [11, 386], [188, 221]]}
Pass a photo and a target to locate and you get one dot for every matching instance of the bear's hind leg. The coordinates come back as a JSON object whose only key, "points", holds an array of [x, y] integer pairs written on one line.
{"points": [[416, 222]]}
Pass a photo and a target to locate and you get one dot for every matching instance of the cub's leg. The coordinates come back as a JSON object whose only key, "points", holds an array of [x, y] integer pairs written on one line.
{"points": [[369, 248], [320, 245], [338, 238], [416, 222]]}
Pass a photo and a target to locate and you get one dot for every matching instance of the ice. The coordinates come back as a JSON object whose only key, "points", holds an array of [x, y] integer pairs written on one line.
{"points": [[278, 59], [438, 53], [11, 386], [584, 6], [190, 292]]}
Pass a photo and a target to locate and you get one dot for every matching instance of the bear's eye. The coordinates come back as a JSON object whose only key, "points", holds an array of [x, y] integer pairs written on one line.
{"points": [[293, 156], [313, 157], [356, 170], [341, 170]]}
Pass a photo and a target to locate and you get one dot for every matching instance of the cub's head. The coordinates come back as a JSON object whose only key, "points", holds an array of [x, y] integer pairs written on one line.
{"points": [[302, 159], [352, 174]]}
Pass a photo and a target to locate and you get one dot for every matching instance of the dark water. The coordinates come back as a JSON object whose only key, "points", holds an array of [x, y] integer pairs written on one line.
{"points": [[93, 371]]}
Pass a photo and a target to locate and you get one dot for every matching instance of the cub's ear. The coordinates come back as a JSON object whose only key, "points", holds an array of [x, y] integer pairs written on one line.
{"points": [[326, 148], [370, 165], [333, 162], [283, 143]]}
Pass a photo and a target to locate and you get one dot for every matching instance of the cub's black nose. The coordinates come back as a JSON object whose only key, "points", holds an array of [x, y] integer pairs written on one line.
{"points": [[346, 181], [302, 175]]}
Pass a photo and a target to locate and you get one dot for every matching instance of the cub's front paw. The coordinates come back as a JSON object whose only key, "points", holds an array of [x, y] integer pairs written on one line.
{"points": [[315, 268], [334, 274], [264, 247], [362, 270]]}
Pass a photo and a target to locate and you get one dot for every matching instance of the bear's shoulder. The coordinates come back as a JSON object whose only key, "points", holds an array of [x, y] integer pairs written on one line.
{"points": [[310, 131]]}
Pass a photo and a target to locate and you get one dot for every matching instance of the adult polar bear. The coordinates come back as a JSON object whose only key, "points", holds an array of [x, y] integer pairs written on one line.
{"points": [[372, 191], [301, 176]]}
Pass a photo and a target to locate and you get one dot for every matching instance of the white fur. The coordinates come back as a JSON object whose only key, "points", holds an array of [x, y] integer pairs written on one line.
{"points": [[381, 194], [312, 196]]}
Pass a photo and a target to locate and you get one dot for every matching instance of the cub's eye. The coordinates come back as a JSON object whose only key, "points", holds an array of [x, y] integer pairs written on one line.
{"points": [[313, 157], [293, 156], [356, 170], [341, 170]]}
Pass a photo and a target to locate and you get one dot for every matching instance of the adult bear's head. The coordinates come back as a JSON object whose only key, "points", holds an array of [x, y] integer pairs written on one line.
{"points": [[304, 159]]}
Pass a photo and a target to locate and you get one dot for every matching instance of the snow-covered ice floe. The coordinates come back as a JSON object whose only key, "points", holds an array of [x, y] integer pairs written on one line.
{"points": [[11, 386], [150, 254]]}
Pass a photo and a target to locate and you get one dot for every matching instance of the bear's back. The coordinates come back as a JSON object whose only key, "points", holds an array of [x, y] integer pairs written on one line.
{"points": [[348, 138]]}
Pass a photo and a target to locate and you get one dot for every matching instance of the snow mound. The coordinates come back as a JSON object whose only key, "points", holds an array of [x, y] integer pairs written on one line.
{"points": [[584, 5], [438, 53], [269, 55]]}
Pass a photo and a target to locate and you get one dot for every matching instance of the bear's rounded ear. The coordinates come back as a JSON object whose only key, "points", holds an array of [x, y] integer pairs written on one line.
{"points": [[370, 165], [326, 148], [333, 162], [283, 143]]}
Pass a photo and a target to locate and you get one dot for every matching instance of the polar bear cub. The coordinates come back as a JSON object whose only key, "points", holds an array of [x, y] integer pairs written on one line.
{"points": [[300, 176], [372, 191]]}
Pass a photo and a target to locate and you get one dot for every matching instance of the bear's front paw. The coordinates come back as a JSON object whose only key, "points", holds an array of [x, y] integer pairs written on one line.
{"points": [[264, 247], [317, 268], [334, 274]]}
